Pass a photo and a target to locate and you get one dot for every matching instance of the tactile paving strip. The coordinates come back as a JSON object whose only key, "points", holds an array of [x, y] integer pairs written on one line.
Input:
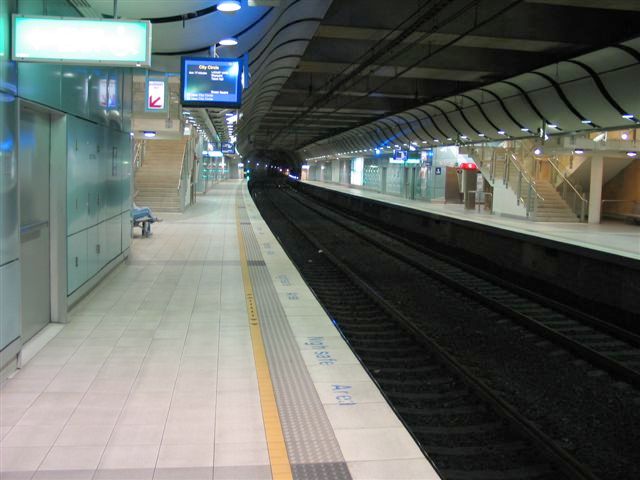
{"points": [[312, 447]]}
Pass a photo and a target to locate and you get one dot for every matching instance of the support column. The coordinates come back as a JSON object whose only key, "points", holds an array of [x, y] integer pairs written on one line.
{"points": [[595, 188]]}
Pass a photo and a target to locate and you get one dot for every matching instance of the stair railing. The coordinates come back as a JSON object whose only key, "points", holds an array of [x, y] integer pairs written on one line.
{"points": [[138, 153], [182, 184], [524, 187], [569, 193]]}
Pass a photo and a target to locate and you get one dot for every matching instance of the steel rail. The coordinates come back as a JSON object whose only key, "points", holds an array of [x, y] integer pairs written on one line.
{"points": [[556, 455], [617, 369]]}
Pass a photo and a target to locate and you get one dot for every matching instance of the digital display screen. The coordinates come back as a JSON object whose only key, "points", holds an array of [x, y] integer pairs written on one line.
{"points": [[211, 82]]}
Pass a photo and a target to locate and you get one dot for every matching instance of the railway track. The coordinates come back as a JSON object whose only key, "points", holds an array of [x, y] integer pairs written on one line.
{"points": [[606, 346], [464, 427]]}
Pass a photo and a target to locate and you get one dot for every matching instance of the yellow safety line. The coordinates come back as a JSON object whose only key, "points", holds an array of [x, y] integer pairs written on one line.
{"points": [[280, 466]]}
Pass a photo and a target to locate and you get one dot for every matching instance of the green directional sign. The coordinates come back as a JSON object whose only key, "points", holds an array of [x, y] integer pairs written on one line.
{"points": [[81, 41]]}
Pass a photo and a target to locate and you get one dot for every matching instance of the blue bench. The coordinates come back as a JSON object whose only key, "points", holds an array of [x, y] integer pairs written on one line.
{"points": [[143, 217]]}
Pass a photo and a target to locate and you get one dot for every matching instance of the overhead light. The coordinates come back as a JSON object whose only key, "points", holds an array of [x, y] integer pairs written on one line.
{"points": [[149, 134], [524, 129], [585, 122], [578, 151], [229, 6], [481, 135], [631, 154], [435, 140], [463, 137], [228, 42], [552, 125], [628, 116], [501, 132], [624, 136], [537, 151]]}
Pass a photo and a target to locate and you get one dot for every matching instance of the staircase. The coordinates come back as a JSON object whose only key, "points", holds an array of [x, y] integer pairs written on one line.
{"points": [[553, 208], [156, 181]]}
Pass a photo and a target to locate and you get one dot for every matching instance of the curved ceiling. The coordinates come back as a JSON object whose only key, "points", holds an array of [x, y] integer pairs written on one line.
{"points": [[320, 68], [149, 9], [590, 92]]}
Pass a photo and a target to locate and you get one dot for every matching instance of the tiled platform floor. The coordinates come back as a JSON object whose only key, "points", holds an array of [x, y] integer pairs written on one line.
{"points": [[154, 376], [609, 236]]}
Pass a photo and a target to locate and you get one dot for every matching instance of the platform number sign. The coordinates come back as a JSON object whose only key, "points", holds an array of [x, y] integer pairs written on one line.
{"points": [[156, 95]]}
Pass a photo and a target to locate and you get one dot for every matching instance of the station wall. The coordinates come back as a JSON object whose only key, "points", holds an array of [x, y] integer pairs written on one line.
{"points": [[95, 107]]}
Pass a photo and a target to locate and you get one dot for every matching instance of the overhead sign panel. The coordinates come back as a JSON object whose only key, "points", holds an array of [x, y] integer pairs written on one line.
{"points": [[228, 147], [81, 41], [156, 94], [211, 82]]}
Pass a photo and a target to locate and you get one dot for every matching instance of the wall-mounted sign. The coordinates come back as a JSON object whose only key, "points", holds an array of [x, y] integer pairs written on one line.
{"points": [[228, 147], [156, 94], [81, 41], [211, 82], [400, 155], [438, 170], [108, 93]]}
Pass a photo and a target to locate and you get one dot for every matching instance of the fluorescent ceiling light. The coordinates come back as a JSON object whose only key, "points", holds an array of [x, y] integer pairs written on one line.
{"points": [[631, 154], [229, 6], [501, 132], [578, 151], [228, 42], [149, 134]]}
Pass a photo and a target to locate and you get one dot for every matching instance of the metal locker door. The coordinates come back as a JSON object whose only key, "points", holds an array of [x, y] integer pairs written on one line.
{"points": [[35, 251]]}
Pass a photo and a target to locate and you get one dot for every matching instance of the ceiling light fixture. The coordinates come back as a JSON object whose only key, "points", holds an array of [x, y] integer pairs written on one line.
{"points": [[631, 154], [552, 125], [229, 6], [578, 151], [501, 132], [537, 151], [228, 42], [149, 134]]}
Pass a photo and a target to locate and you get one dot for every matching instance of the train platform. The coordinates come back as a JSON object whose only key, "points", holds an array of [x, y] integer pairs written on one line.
{"points": [[612, 237], [203, 356]]}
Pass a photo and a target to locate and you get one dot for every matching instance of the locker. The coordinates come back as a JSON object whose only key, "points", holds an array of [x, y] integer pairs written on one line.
{"points": [[93, 251], [77, 188], [76, 261]]}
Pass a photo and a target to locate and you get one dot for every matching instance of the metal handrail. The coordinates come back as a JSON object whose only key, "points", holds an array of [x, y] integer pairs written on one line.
{"points": [[565, 181], [184, 158], [138, 153], [521, 172], [532, 196]]}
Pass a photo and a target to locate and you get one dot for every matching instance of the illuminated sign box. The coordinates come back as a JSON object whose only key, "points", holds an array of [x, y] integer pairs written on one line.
{"points": [[211, 82], [81, 41], [156, 95]]}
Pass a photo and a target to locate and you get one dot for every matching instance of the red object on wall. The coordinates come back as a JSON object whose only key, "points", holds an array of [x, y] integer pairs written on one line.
{"points": [[468, 166]]}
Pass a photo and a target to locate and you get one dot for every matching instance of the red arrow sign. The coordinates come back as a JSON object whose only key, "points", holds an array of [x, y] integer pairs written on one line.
{"points": [[155, 102]]}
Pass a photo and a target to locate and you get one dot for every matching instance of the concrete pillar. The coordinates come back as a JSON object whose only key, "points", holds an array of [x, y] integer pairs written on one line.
{"points": [[595, 188]]}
